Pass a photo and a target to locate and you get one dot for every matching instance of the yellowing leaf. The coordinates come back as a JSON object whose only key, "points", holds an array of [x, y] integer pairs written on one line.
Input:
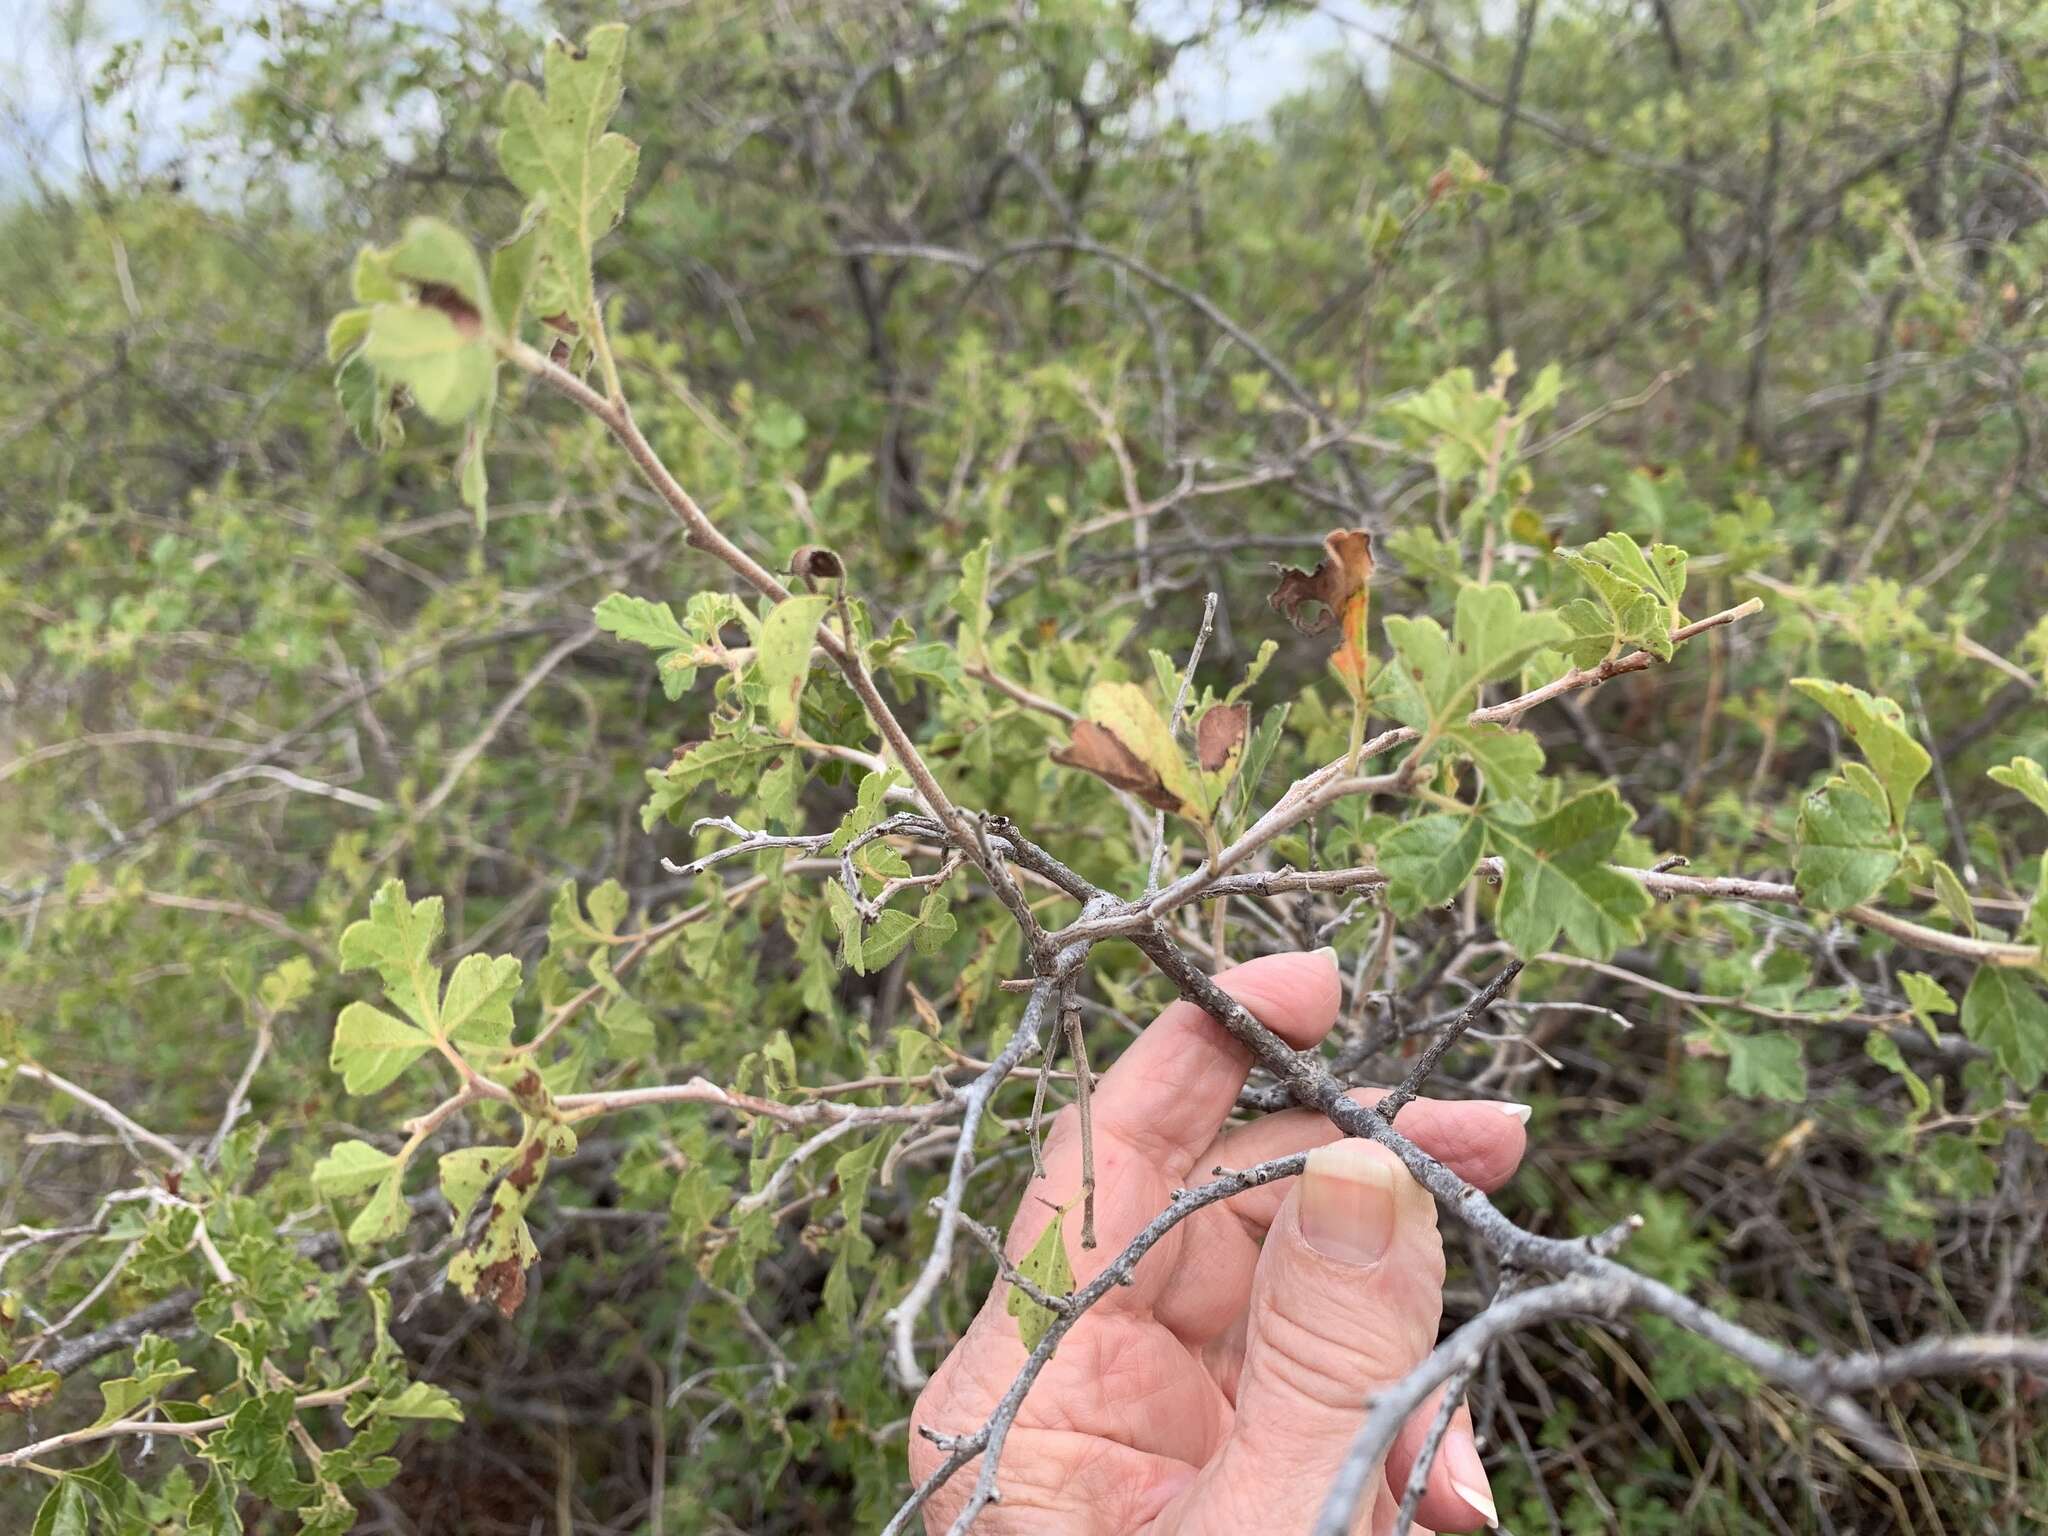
{"points": [[1045, 1266], [787, 635], [1124, 741]]}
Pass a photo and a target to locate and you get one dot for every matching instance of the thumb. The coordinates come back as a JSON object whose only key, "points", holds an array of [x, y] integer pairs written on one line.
{"points": [[1346, 1301]]}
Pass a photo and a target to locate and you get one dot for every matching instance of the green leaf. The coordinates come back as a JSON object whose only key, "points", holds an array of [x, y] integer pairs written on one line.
{"points": [[970, 602], [1556, 877], [1635, 601], [556, 151], [396, 939], [724, 760], [285, 987], [1878, 727], [936, 924], [64, 1513], [885, 937], [868, 805], [1436, 677], [640, 622], [2004, 1013], [366, 403], [450, 372], [1927, 998], [371, 1048], [475, 480], [683, 646], [420, 1400], [512, 271], [213, 1511], [345, 333], [349, 1168], [1954, 900], [608, 905], [1428, 860], [385, 1217], [435, 253], [1045, 1266], [2025, 775], [787, 636], [477, 1009], [628, 1027], [371, 280], [1847, 848], [1884, 1050], [1512, 761], [1767, 1067]]}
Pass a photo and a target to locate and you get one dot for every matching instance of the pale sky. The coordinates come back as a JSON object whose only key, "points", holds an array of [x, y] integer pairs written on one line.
{"points": [[1234, 79]]}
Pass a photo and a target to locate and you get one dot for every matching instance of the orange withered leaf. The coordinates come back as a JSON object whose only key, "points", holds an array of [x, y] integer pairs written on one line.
{"points": [[1220, 734], [1341, 589], [1098, 750], [1344, 574]]}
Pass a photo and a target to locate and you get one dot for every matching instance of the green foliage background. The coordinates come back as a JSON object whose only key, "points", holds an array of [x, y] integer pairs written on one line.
{"points": [[936, 287]]}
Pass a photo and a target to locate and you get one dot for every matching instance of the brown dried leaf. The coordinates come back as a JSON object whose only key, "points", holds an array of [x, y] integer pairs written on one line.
{"points": [[1098, 750], [502, 1285], [1219, 735], [814, 562], [1345, 572]]}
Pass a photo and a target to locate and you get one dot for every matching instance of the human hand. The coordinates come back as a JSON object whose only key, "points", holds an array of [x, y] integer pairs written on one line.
{"points": [[1219, 1391]]}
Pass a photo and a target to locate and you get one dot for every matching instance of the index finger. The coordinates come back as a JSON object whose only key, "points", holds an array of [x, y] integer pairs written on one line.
{"points": [[1173, 1087]]}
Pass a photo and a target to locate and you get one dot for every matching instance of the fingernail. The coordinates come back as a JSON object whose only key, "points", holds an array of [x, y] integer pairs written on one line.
{"points": [[1468, 1473], [1347, 1202], [1329, 953], [1520, 1112]]}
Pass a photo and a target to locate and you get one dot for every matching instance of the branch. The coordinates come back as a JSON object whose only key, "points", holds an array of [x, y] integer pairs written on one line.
{"points": [[189, 1429], [129, 1130], [701, 532]]}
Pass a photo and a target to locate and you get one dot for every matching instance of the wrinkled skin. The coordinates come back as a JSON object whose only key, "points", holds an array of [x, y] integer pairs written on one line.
{"points": [[1216, 1394]]}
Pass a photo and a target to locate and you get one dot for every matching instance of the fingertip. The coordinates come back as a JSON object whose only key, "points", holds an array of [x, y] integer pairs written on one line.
{"points": [[1295, 994], [1483, 1139]]}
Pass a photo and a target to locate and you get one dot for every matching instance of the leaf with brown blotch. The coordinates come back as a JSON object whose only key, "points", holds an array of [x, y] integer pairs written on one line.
{"points": [[1344, 573], [1098, 750], [1219, 735], [1341, 590]]}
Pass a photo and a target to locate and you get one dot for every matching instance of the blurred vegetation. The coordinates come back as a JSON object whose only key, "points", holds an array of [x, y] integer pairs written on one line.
{"points": [[957, 289]]}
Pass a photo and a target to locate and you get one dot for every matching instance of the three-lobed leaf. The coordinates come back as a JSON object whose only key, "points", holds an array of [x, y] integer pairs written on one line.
{"points": [[1556, 876], [556, 151], [1434, 678], [1847, 846], [2024, 775], [1429, 859], [2005, 1013], [1878, 727]]}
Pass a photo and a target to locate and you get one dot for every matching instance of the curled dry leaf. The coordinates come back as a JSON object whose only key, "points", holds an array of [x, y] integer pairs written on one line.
{"points": [[1341, 589], [1343, 576], [1098, 750], [1219, 736], [814, 562]]}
